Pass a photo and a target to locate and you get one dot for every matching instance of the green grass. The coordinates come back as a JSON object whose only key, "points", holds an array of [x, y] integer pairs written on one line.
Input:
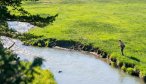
{"points": [[100, 22]]}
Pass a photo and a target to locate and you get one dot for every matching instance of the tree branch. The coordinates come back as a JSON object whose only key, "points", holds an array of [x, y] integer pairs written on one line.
{"points": [[11, 45]]}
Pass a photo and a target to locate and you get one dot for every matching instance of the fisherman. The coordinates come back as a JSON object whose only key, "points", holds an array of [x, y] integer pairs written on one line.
{"points": [[122, 46]]}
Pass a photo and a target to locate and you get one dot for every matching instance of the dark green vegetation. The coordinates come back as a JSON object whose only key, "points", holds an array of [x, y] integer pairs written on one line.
{"points": [[100, 23], [14, 71]]}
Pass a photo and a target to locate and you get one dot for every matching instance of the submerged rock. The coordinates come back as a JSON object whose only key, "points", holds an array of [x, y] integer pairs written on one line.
{"points": [[59, 71]]}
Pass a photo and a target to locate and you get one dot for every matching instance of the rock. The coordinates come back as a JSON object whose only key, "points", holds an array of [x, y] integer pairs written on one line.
{"points": [[59, 71]]}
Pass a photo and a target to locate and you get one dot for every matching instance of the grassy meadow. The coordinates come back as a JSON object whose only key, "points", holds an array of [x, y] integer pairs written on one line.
{"points": [[98, 22]]}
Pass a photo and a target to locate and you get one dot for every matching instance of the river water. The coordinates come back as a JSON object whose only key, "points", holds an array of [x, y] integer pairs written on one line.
{"points": [[76, 67], [20, 27]]}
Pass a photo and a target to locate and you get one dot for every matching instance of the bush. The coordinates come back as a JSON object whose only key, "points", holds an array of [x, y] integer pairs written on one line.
{"points": [[123, 68], [129, 70], [14, 71]]}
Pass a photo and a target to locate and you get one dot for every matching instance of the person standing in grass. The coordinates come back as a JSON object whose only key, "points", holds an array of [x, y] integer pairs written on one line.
{"points": [[122, 46]]}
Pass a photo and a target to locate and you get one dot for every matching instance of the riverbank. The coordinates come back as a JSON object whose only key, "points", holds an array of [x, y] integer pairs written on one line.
{"points": [[131, 67]]}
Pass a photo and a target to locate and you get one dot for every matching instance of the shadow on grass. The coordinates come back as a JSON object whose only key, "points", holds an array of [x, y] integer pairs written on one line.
{"points": [[133, 58], [37, 20], [34, 19]]}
